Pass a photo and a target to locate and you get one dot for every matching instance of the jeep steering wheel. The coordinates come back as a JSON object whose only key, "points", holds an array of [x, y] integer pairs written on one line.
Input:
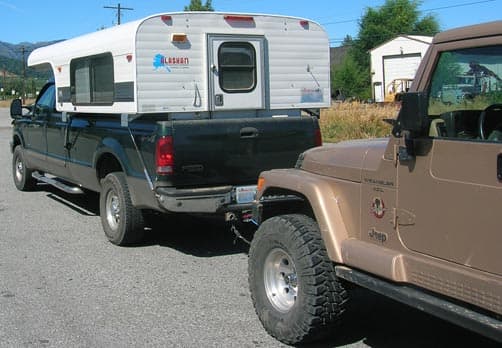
{"points": [[482, 118]]}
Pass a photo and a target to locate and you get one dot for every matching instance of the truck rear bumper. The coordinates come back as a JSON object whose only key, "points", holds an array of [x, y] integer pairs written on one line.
{"points": [[200, 200]]}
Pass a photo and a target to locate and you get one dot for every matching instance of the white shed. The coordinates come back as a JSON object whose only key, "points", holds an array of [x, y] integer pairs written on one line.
{"points": [[397, 59]]}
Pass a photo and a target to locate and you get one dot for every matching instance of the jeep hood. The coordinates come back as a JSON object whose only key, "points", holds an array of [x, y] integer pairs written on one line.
{"points": [[345, 160]]}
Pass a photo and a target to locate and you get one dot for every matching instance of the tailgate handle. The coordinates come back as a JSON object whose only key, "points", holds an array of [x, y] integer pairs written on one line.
{"points": [[249, 132]]}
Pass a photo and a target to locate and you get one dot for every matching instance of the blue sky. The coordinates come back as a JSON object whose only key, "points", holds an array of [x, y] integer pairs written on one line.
{"points": [[44, 20]]}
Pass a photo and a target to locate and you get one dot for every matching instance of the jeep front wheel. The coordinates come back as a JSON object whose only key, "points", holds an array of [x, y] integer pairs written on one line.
{"points": [[122, 222], [293, 285]]}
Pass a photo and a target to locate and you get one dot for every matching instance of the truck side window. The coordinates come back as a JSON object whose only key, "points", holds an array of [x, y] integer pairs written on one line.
{"points": [[91, 80], [48, 98], [465, 89], [237, 67]]}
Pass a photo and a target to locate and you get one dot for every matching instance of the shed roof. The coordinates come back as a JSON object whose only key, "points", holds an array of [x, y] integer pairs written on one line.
{"points": [[418, 38]]}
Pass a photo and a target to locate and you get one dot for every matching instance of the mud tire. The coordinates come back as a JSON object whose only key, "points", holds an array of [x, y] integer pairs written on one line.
{"points": [[320, 296]]}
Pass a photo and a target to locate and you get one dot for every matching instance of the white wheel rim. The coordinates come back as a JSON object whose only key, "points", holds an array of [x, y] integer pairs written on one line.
{"points": [[281, 280], [19, 169], [112, 209]]}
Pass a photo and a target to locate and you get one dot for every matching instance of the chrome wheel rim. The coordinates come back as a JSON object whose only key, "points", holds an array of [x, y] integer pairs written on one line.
{"points": [[112, 209], [19, 169], [281, 280]]}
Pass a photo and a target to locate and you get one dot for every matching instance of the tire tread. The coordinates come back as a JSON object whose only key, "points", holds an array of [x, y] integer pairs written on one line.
{"points": [[326, 298]]}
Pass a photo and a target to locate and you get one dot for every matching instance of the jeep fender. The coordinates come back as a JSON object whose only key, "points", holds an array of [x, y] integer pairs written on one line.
{"points": [[327, 197]]}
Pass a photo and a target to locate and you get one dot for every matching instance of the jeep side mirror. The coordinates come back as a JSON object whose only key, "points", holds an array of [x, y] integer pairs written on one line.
{"points": [[411, 121], [16, 108], [413, 114]]}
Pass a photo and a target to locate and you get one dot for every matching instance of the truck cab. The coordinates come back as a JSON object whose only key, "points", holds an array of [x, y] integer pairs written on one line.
{"points": [[411, 216]]}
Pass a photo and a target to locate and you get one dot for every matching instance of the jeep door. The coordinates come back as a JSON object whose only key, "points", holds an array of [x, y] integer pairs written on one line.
{"points": [[449, 196]]}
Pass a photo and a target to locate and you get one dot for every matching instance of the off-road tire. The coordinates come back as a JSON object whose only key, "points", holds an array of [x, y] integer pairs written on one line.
{"points": [[122, 222], [320, 297], [20, 172]]}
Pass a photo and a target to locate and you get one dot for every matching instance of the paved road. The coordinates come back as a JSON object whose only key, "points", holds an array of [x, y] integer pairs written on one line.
{"points": [[63, 285]]}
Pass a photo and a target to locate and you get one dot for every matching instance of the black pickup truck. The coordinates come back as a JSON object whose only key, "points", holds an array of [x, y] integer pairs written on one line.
{"points": [[152, 162]]}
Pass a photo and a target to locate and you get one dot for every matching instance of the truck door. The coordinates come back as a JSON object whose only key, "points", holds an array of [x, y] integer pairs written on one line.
{"points": [[35, 130], [449, 195], [236, 72], [56, 151]]}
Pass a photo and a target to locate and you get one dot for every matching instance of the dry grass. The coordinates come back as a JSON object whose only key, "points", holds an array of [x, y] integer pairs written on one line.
{"points": [[354, 120]]}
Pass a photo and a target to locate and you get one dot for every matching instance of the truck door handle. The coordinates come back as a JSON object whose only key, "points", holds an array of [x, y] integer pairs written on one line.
{"points": [[499, 167], [249, 132]]}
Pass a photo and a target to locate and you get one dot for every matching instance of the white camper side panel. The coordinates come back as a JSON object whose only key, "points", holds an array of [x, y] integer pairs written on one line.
{"points": [[171, 76], [299, 70]]}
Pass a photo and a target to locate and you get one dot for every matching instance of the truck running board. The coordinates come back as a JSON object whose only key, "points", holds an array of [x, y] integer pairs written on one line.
{"points": [[57, 183], [422, 300]]}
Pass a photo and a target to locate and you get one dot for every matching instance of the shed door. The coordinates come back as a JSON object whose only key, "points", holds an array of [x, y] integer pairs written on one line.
{"points": [[401, 66], [236, 66]]}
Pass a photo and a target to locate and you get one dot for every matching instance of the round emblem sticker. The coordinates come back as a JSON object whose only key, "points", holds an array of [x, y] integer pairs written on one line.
{"points": [[378, 207]]}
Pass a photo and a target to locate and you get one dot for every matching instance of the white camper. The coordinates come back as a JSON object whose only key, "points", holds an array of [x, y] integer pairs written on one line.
{"points": [[194, 64]]}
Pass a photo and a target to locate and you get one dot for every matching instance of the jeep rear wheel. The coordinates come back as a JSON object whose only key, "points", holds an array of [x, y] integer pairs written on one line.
{"points": [[20, 172], [122, 222], [293, 285]]}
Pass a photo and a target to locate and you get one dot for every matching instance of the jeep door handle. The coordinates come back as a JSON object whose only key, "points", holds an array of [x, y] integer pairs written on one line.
{"points": [[499, 166]]}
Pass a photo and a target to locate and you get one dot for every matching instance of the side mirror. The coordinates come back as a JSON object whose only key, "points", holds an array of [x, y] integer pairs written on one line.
{"points": [[413, 114], [16, 108]]}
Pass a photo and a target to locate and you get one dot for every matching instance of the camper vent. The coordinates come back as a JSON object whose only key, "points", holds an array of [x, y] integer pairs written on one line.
{"points": [[238, 18]]}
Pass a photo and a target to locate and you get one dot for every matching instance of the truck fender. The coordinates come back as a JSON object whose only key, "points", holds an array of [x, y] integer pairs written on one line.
{"points": [[140, 193], [113, 147], [17, 139], [323, 199]]}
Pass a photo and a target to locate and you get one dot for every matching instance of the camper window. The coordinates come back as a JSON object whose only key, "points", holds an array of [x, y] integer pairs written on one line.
{"points": [[237, 67], [92, 80]]}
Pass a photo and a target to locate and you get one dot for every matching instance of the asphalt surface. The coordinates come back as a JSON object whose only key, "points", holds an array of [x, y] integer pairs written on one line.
{"points": [[62, 284]]}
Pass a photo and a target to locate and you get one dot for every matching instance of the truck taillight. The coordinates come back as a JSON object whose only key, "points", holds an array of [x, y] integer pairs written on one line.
{"points": [[318, 137], [164, 156]]}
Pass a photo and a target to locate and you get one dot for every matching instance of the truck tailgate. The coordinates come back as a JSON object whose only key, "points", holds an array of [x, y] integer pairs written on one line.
{"points": [[234, 151]]}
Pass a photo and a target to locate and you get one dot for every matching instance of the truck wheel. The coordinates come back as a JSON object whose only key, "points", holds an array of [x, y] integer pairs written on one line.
{"points": [[20, 172], [293, 285], [122, 222]]}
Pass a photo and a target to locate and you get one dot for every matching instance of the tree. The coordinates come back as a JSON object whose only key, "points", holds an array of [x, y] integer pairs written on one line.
{"points": [[349, 79], [196, 5], [378, 25]]}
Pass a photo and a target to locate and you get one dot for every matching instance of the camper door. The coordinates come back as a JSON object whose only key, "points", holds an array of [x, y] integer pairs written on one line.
{"points": [[236, 72]]}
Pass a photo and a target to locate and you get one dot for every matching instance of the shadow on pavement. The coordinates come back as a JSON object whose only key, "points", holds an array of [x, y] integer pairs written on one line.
{"points": [[370, 319], [379, 322], [197, 235]]}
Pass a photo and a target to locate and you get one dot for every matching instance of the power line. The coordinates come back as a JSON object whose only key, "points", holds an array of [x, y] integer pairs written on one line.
{"points": [[427, 10], [119, 9]]}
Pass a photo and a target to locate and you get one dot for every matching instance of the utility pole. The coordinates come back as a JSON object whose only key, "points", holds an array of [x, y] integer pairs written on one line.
{"points": [[119, 9], [23, 96]]}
